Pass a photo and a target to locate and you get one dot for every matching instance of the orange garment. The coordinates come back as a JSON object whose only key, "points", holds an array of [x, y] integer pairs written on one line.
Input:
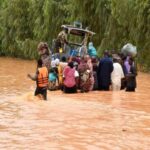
{"points": [[42, 80]]}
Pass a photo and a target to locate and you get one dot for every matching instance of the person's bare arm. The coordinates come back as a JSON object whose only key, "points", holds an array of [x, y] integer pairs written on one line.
{"points": [[34, 78]]}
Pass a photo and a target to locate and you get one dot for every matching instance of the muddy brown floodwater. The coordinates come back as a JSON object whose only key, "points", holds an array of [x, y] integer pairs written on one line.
{"points": [[91, 121]]}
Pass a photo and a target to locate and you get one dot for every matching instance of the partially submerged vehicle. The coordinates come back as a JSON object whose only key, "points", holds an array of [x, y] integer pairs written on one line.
{"points": [[72, 40]]}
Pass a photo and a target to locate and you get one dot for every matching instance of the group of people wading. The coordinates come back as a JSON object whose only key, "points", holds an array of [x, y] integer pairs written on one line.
{"points": [[83, 74]]}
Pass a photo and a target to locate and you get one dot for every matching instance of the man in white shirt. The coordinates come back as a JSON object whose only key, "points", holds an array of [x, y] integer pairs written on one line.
{"points": [[116, 75]]}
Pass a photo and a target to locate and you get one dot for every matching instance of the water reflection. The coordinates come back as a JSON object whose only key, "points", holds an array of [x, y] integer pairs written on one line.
{"points": [[91, 121]]}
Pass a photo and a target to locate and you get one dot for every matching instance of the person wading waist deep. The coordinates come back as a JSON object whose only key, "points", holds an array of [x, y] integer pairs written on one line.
{"points": [[41, 78]]}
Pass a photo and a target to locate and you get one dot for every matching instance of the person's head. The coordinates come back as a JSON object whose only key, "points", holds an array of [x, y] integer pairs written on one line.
{"points": [[106, 53], [94, 60], [115, 60], [53, 64], [43, 48], [51, 70], [124, 58], [70, 64], [57, 61], [75, 64], [63, 59], [83, 60], [90, 44], [87, 58], [131, 60], [39, 63], [73, 58]]}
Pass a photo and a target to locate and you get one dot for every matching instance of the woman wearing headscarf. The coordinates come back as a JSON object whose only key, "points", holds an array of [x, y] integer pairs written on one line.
{"points": [[92, 50], [86, 79], [70, 75]]}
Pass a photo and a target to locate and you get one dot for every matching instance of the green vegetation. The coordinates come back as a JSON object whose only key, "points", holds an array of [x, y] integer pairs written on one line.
{"points": [[23, 23]]}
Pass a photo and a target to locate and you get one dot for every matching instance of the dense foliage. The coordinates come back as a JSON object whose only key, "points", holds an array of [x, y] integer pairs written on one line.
{"points": [[23, 23]]}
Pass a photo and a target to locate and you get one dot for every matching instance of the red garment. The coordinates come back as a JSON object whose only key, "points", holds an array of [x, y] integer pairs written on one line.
{"points": [[69, 74]]}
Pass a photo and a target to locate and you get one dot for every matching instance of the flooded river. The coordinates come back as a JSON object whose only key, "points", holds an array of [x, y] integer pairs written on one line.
{"points": [[91, 121]]}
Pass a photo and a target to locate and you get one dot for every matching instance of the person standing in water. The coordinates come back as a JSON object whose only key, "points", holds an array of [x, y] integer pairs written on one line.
{"points": [[117, 74], [104, 72], [70, 76], [41, 78], [131, 76]]}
